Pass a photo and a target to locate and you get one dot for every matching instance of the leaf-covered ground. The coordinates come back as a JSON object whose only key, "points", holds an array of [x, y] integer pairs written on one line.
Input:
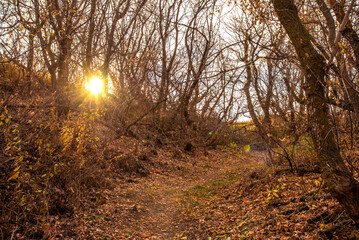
{"points": [[209, 195]]}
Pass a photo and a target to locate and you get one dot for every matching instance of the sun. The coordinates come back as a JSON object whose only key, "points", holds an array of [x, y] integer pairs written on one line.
{"points": [[95, 85]]}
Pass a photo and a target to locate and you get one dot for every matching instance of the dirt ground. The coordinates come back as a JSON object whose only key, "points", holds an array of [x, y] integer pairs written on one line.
{"points": [[217, 194]]}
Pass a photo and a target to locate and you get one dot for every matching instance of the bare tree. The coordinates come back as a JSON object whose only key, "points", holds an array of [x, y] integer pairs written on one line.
{"points": [[339, 179]]}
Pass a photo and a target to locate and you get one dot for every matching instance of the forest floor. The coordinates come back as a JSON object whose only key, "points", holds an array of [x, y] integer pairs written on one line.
{"points": [[216, 194]]}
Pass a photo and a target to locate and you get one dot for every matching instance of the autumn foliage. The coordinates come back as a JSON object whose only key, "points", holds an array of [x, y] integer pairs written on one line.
{"points": [[213, 114]]}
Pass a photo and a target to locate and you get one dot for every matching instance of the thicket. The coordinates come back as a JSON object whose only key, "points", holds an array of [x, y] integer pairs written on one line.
{"points": [[51, 165]]}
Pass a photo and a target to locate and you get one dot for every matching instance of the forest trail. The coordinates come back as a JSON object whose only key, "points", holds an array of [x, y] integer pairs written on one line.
{"points": [[170, 194], [213, 195], [156, 207]]}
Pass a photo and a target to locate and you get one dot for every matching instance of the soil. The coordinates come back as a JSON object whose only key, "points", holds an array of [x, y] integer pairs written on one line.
{"points": [[217, 194]]}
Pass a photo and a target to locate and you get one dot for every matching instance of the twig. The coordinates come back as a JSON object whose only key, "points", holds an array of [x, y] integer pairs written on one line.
{"points": [[13, 232]]}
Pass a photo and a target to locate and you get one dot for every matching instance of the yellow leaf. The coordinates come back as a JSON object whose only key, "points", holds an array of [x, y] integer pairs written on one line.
{"points": [[14, 176], [247, 148], [343, 47], [242, 223], [16, 169], [319, 182]]}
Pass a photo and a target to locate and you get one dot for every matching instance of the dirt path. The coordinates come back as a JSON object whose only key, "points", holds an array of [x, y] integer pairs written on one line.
{"points": [[217, 195], [165, 213], [154, 207]]}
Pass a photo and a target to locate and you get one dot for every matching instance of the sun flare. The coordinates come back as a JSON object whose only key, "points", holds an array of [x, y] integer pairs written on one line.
{"points": [[95, 85]]}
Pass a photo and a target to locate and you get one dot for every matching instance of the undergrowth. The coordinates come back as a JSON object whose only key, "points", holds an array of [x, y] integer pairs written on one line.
{"points": [[47, 166]]}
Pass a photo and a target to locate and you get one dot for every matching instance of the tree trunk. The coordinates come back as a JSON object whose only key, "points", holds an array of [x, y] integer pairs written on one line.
{"points": [[348, 32], [89, 54], [62, 96], [111, 41], [338, 180], [342, 71], [30, 62]]}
